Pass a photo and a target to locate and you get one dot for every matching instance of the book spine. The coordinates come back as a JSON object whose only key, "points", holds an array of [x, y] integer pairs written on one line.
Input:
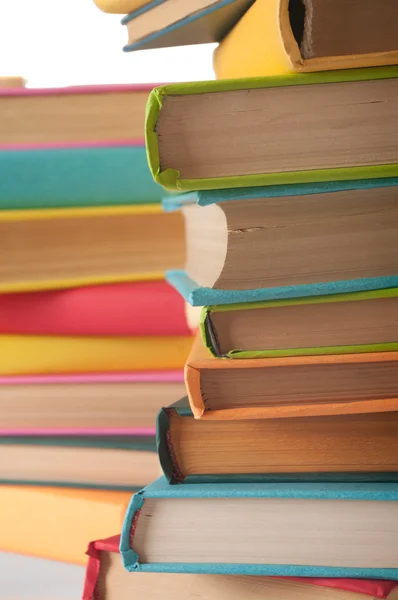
{"points": [[166, 453]]}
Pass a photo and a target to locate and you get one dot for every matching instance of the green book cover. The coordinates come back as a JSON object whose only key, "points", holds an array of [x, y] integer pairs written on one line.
{"points": [[209, 337], [170, 177]]}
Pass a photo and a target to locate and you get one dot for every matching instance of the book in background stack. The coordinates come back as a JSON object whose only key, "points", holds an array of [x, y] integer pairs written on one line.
{"points": [[283, 459], [91, 336], [164, 23]]}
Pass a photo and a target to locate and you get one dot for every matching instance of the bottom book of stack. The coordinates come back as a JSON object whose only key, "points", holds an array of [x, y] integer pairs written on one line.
{"points": [[106, 579]]}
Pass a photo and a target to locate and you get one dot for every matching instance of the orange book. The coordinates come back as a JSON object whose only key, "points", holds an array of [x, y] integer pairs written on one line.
{"points": [[58, 523], [290, 387]]}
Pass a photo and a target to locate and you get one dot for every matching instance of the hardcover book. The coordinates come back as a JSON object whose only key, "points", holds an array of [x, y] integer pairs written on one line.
{"points": [[283, 36], [77, 175], [287, 241], [304, 530], [56, 522], [336, 324], [29, 354], [142, 308], [164, 23], [111, 462], [306, 449], [276, 130], [69, 115], [86, 404], [106, 579], [51, 248], [295, 386]]}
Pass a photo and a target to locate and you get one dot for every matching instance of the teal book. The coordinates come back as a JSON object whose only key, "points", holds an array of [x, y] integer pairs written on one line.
{"points": [[155, 25], [276, 450], [303, 240], [284, 529], [76, 176], [111, 462]]}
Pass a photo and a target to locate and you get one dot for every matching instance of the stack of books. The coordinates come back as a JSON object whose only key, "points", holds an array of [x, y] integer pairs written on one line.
{"points": [[281, 466], [91, 336]]}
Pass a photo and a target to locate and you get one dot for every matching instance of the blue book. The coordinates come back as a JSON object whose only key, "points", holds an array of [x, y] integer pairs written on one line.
{"points": [[156, 25], [76, 176], [298, 240], [285, 529]]}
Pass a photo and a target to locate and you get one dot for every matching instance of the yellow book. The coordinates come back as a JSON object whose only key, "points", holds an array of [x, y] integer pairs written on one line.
{"points": [[21, 354], [120, 7], [278, 37], [70, 247], [58, 523]]}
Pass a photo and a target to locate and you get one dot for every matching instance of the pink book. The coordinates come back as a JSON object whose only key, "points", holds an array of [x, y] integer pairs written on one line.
{"points": [[123, 584], [66, 405], [143, 308]]}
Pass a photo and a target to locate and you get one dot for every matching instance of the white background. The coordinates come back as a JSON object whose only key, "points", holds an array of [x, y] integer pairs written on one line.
{"points": [[71, 42]]}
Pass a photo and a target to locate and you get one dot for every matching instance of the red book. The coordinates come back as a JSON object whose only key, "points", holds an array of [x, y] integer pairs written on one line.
{"points": [[106, 578], [145, 308]]}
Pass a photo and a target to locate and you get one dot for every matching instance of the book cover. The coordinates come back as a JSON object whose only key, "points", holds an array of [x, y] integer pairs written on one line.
{"points": [[209, 337], [200, 26], [203, 296], [368, 587], [56, 522], [160, 489], [144, 308], [200, 360], [274, 450], [28, 355], [263, 42], [77, 175], [173, 202], [170, 178], [120, 7]]}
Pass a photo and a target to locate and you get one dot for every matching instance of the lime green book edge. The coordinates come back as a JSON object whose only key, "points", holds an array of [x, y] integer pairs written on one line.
{"points": [[322, 350], [170, 178]]}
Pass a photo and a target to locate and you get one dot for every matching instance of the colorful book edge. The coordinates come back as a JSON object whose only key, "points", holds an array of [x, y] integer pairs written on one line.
{"points": [[202, 296]]}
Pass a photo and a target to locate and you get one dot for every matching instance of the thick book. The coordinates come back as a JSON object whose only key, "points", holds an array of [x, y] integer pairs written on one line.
{"points": [[306, 449], [51, 248], [57, 522], [88, 175], [335, 324], [142, 308], [274, 130], [287, 241], [105, 462], [87, 404], [165, 23], [70, 115], [30, 354], [294, 386], [282, 36], [106, 578], [292, 529]]}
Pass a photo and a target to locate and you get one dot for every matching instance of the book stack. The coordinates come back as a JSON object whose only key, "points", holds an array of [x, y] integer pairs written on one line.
{"points": [[92, 337], [281, 464]]}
